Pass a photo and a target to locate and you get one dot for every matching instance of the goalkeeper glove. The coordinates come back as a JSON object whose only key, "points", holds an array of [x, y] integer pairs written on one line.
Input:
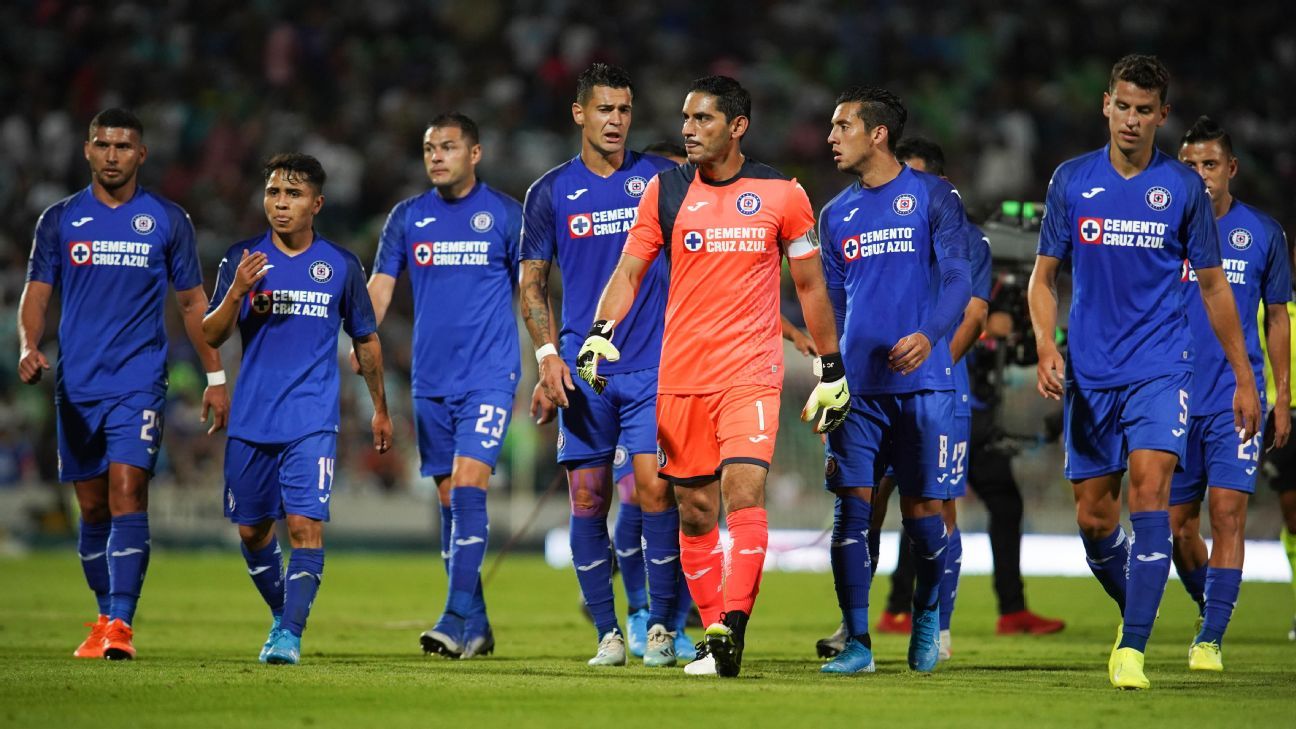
{"points": [[831, 394], [597, 344]]}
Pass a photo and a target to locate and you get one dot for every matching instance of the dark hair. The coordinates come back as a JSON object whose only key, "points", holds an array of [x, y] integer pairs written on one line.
{"points": [[666, 148], [878, 107], [455, 119], [1146, 72], [731, 98], [924, 149], [115, 118], [297, 167], [1206, 130], [601, 74]]}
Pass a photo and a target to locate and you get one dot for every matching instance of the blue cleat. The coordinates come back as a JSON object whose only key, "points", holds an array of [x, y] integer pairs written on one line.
{"points": [[482, 644], [285, 649], [855, 657], [637, 632], [924, 641], [270, 639], [685, 650]]}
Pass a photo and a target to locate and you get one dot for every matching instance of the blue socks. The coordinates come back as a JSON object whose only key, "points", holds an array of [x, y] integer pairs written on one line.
{"points": [[626, 536], [92, 547], [266, 569], [1195, 583], [592, 556], [477, 622], [949, 580], [305, 572], [683, 604], [447, 526], [1222, 586], [661, 552], [1108, 558], [467, 552], [128, 558], [929, 544], [1149, 568], [852, 564]]}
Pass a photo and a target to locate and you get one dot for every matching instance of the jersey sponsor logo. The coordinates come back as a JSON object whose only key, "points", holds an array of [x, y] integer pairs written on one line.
{"points": [[576, 195], [580, 225], [81, 222], [290, 302], [482, 221], [1092, 193], [1122, 232], [615, 221], [727, 240], [452, 253], [424, 222], [851, 248], [635, 186], [321, 272], [748, 203], [423, 254], [143, 223], [1240, 238], [904, 204], [79, 252], [132, 254], [878, 242], [1090, 230], [620, 456], [1234, 271], [693, 240], [1158, 198]]}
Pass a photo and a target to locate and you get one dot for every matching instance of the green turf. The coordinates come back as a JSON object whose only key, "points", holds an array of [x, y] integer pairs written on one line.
{"points": [[201, 624]]}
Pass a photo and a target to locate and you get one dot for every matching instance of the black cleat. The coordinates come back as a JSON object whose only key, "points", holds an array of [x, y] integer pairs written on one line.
{"points": [[833, 645], [725, 642]]}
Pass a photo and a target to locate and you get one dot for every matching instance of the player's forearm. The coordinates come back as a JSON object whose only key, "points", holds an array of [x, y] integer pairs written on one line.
{"points": [[192, 305], [955, 292], [219, 325], [1217, 296], [31, 314], [818, 312], [621, 290], [380, 289], [1041, 295], [969, 330], [1278, 336], [369, 353], [535, 303]]}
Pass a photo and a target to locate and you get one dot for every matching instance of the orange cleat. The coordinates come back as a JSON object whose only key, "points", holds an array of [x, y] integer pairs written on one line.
{"points": [[898, 623], [1025, 621], [117, 641], [93, 645]]}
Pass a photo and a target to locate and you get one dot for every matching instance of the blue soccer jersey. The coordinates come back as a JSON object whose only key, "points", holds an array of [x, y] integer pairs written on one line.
{"points": [[462, 260], [287, 384], [1254, 253], [979, 265], [1127, 241], [884, 248], [111, 266], [582, 219]]}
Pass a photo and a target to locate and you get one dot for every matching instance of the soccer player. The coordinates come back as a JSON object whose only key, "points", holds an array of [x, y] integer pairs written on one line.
{"points": [[459, 242], [288, 290], [902, 230], [1283, 476], [1254, 256], [723, 223], [110, 249], [579, 213], [1127, 216]]}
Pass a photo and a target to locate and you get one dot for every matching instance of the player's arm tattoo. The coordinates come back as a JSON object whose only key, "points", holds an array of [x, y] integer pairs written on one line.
{"points": [[369, 352], [535, 301]]}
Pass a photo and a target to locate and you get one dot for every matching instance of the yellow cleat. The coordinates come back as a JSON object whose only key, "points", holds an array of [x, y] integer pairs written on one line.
{"points": [[1205, 657], [1127, 669], [1111, 659]]}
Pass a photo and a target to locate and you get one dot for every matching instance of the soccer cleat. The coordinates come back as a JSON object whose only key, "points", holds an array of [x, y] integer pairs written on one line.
{"points": [[945, 645], [704, 664], [434, 641], [1205, 656], [725, 645], [285, 649], [274, 628], [660, 648], [896, 623], [684, 648], [855, 657], [1025, 621], [611, 650], [479, 645], [93, 645], [637, 632], [117, 642], [833, 644], [1126, 669], [924, 641]]}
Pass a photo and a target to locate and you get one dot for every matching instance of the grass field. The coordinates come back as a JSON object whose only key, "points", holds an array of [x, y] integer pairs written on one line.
{"points": [[201, 623]]}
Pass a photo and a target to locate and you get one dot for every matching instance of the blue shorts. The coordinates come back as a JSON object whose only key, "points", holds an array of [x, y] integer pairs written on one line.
{"points": [[126, 429], [472, 424], [592, 425], [268, 480], [1101, 426], [911, 432], [957, 459], [1216, 457]]}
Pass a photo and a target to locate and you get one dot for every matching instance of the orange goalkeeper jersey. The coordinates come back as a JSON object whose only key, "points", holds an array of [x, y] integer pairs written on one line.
{"points": [[724, 243]]}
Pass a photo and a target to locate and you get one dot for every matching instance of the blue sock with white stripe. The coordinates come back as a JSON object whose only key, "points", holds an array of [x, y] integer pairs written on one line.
{"points": [[1108, 559], [661, 552], [627, 537], [1194, 581], [305, 573], [128, 558], [1149, 569], [949, 580], [265, 566], [852, 564], [467, 552], [1222, 587], [927, 535], [92, 547], [592, 557]]}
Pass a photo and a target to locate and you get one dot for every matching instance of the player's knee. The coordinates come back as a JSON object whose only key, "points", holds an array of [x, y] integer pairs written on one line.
{"points": [[93, 510], [305, 533], [1096, 524], [256, 536]]}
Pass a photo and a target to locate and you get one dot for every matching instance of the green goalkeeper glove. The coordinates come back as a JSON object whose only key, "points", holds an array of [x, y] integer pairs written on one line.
{"points": [[597, 344], [831, 394]]}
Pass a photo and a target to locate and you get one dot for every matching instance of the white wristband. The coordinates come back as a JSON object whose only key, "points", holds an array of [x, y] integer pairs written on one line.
{"points": [[545, 351], [216, 378]]}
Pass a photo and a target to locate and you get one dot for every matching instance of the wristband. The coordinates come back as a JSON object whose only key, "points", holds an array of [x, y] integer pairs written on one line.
{"points": [[545, 351], [602, 328], [216, 378], [833, 367]]}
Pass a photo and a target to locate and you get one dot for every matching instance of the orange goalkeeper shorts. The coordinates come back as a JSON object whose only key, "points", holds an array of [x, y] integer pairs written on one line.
{"points": [[698, 434]]}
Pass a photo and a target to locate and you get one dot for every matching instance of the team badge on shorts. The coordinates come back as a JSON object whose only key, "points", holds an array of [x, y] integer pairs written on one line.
{"points": [[1240, 238], [904, 204], [830, 467], [620, 456], [143, 223], [562, 440], [482, 221], [661, 457], [1158, 198], [749, 203], [321, 272], [635, 186]]}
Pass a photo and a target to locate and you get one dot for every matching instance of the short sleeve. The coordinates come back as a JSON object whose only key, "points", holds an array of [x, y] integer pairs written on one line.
{"points": [[183, 266], [46, 252], [798, 219], [644, 241], [948, 223], [1055, 228], [357, 310], [513, 235], [538, 241], [830, 254], [1200, 234], [979, 262], [392, 249], [224, 279], [1277, 274]]}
